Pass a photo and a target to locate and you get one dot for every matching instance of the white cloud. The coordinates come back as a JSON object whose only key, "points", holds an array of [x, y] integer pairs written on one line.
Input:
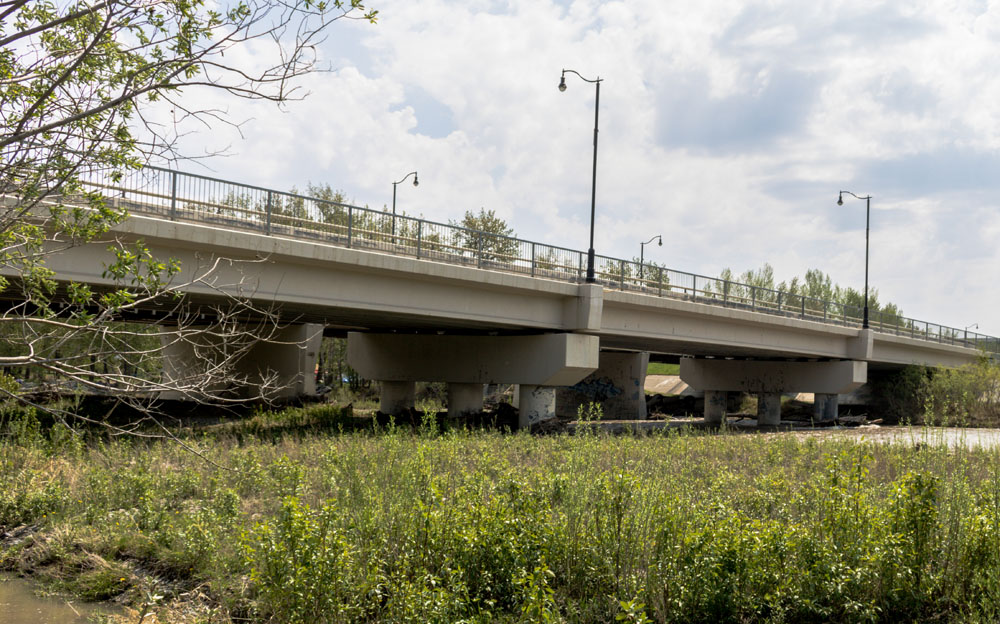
{"points": [[728, 126]]}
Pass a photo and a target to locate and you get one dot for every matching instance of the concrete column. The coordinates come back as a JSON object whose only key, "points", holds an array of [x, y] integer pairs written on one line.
{"points": [[537, 404], [825, 407], [768, 408], [397, 397], [464, 399], [715, 406], [617, 384]]}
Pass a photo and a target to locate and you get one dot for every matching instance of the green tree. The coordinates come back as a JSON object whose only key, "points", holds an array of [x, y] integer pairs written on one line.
{"points": [[82, 83], [486, 235]]}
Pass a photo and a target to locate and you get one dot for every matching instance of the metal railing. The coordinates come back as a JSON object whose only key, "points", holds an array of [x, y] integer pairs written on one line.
{"points": [[190, 197]]}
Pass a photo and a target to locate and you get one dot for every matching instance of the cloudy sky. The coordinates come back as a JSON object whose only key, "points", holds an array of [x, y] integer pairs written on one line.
{"points": [[726, 126]]}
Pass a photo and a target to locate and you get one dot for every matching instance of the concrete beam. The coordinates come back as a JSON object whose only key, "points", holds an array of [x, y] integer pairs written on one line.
{"points": [[286, 362], [542, 360], [833, 377]]}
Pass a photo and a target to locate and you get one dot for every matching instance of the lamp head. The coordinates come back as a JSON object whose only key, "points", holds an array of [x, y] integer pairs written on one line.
{"points": [[840, 199], [661, 240], [416, 182], [562, 82]]}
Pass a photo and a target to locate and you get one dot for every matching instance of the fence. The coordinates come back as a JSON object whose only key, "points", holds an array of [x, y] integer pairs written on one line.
{"points": [[184, 196]]}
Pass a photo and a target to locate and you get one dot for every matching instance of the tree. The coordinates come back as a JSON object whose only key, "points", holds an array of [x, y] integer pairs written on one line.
{"points": [[487, 236], [86, 87], [810, 292]]}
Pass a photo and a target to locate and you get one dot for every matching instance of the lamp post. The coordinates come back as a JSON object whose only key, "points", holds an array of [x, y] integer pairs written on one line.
{"points": [[416, 182], [868, 212], [642, 249], [976, 325], [593, 183]]}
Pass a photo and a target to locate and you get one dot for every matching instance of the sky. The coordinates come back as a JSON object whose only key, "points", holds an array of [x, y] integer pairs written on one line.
{"points": [[728, 127]]}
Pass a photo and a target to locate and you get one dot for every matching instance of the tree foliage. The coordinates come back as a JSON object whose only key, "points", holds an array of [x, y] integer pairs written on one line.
{"points": [[90, 91], [810, 293], [487, 235]]}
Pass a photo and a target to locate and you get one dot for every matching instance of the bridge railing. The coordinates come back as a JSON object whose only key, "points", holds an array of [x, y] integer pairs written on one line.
{"points": [[191, 197]]}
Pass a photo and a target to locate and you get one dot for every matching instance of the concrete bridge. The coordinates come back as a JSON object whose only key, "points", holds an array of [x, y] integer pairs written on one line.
{"points": [[423, 301]]}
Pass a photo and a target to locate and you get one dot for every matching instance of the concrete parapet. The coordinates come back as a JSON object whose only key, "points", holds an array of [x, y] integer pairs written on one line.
{"points": [[617, 384]]}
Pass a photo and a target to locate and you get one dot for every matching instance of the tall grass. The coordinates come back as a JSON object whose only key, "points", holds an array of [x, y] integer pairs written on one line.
{"points": [[416, 526]]}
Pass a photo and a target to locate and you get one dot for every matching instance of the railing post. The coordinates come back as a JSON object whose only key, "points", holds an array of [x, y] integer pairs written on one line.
{"points": [[350, 225], [753, 297], [173, 195], [532, 259], [779, 300], [826, 309], [802, 300], [579, 265], [694, 288], [659, 292], [479, 248], [621, 276], [268, 212], [420, 229], [725, 291]]}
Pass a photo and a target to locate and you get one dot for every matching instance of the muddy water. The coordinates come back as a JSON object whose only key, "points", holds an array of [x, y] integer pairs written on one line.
{"points": [[20, 605]]}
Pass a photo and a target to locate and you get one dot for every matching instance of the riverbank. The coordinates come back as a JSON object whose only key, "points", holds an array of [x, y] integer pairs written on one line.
{"points": [[284, 518]]}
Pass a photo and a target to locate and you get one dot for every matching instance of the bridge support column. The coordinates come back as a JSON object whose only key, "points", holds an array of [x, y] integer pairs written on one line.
{"points": [[535, 404], [715, 406], [618, 385], [537, 363], [282, 366], [825, 407], [767, 379], [465, 399], [768, 408], [397, 397]]}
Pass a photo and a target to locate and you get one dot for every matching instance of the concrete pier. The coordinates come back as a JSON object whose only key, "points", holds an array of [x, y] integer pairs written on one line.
{"points": [[769, 408], [618, 385], [535, 404], [715, 406], [464, 399]]}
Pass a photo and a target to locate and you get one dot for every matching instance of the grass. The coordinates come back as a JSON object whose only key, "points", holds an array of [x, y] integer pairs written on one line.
{"points": [[288, 520], [661, 368]]}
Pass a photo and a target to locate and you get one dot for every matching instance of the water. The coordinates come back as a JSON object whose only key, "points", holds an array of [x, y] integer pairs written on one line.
{"points": [[20, 605]]}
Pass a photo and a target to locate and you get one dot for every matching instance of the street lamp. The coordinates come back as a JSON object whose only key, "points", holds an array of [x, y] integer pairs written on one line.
{"points": [[976, 325], [593, 183], [868, 212], [416, 182], [642, 249]]}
